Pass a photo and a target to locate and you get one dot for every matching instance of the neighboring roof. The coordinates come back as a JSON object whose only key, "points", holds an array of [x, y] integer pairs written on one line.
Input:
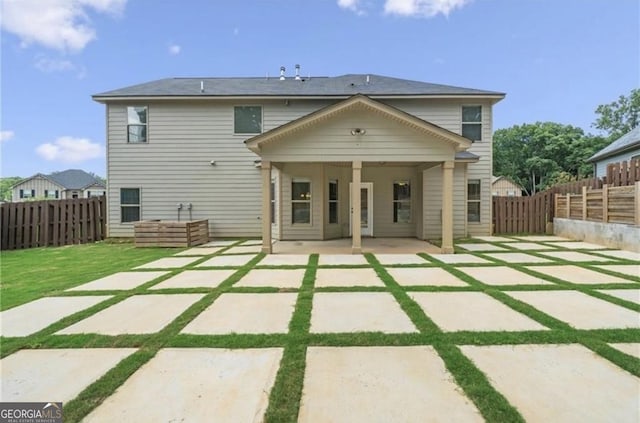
{"points": [[495, 179], [68, 179], [626, 142], [357, 101], [338, 86]]}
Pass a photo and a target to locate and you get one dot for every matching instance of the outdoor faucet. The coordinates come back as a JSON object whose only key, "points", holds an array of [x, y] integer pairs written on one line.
{"points": [[179, 206], [189, 207]]}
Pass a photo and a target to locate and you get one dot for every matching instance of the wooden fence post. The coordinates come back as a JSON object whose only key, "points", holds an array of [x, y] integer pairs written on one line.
{"points": [[636, 200], [605, 203], [568, 205], [584, 203]]}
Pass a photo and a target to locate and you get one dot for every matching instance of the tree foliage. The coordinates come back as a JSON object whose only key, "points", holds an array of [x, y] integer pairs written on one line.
{"points": [[620, 116], [5, 186]]}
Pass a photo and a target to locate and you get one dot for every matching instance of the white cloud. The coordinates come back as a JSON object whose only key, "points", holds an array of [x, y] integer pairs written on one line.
{"points": [[49, 65], [58, 24], [174, 49], [6, 135], [70, 150], [423, 8], [353, 5]]}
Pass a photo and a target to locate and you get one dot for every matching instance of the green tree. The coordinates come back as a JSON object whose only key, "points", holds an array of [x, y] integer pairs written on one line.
{"points": [[620, 116], [5, 186]]}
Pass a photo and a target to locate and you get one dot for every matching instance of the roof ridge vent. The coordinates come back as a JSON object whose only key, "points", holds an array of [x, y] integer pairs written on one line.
{"points": [[282, 70]]}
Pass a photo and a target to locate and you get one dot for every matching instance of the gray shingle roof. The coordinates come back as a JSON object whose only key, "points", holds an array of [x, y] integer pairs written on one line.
{"points": [[74, 179], [345, 85], [627, 141]]}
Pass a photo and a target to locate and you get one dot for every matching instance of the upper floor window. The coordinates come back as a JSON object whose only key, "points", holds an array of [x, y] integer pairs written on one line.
{"points": [[137, 124], [27, 193], [472, 122], [401, 202], [247, 119], [50, 193]]}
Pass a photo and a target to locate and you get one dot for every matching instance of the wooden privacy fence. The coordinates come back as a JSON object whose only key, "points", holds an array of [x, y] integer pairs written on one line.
{"points": [[609, 205], [52, 223]]}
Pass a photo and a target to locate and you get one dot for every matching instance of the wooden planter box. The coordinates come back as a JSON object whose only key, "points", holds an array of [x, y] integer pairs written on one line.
{"points": [[167, 233]]}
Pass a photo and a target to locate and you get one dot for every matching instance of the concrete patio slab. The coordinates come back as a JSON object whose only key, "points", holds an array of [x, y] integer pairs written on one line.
{"points": [[196, 279], [358, 312], [458, 258], [252, 242], [495, 239], [55, 374], [118, 281], [625, 269], [381, 384], [341, 259], [424, 276], [559, 383], [219, 243], [244, 249], [245, 313], [518, 258], [169, 263], [135, 315], [279, 278], [347, 277], [580, 245], [502, 275], [230, 261], [199, 251], [542, 238], [481, 312], [577, 274], [195, 385], [387, 259], [344, 246], [481, 247], [285, 260], [580, 310], [621, 254], [632, 295], [632, 349], [32, 317], [529, 246], [573, 256]]}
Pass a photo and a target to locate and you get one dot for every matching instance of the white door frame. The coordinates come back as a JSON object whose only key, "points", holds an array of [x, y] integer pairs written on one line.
{"points": [[366, 230]]}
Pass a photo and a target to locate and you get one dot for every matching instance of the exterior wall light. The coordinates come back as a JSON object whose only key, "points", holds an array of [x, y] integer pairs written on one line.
{"points": [[358, 131]]}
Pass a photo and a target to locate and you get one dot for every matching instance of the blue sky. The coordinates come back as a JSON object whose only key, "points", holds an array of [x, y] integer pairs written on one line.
{"points": [[557, 60]]}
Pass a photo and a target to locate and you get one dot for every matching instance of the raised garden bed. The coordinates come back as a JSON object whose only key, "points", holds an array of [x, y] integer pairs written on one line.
{"points": [[170, 233]]}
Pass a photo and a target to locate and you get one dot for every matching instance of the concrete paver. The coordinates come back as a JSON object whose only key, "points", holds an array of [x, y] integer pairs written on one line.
{"points": [[279, 278], [580, 310], [231, 261], [55, 374], [219, 243], [625, 269], [197, 385], [252, 242], [199, 251], [381, 384], [578, 275], [458, 258], [386, 259], [573, 256], [284, 260], [347, 277], [169, 263], [580, 245], [34, 316], [621, 254], [358, 312], [541, 238], [341, 259], [481, 247], [135, 315], [495, 239], [424, 276], [121, 280], [559, 383], [518, 258], [244, 249], [481, 312], [502, 275], [632, 349], [196, 279], [529, 246], [245, 313], [632, 295]]}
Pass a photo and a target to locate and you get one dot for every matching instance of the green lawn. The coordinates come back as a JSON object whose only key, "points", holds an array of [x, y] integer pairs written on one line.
{"points": [[31, 274]]}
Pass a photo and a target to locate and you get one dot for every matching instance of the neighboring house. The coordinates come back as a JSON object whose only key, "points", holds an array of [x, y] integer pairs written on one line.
{"points": [[72, 183], [277, 157], [623, 149], [505, 187]]}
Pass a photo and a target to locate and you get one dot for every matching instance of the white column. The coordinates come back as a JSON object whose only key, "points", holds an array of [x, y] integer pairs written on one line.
{"points": [[447, 207], [266, 207], [356, 230]]}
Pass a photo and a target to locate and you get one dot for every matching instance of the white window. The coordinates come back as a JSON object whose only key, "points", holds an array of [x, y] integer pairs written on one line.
{"points": [[333, 201], [247, 119], [129, 205], [273, 201], [51, 194], [27, 193], [473, 200], [300, 201], [136, 124], [401, 202], [472, 122]]}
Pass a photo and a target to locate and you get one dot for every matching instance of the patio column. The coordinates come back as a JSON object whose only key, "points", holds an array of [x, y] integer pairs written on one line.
{"points": [[356, 230], [266, 206], [447, 207]]}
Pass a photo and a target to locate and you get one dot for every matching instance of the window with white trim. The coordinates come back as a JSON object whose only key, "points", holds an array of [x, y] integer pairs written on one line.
{"points": [[401, 202], [50, 194], [247, 119], [333, 201], [273, 201], [300, 201], [472, 122], [137, 124], [27, 193], [129, 205], [473, 200]]}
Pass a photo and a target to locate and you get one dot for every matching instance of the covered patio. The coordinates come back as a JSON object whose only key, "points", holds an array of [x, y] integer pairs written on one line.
{"points": [[344, 246]]}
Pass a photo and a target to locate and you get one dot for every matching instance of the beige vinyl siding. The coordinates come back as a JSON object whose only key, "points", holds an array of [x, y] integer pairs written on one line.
{"points": [[39, 184], [601, 165], [432, 202], [504, 187]]}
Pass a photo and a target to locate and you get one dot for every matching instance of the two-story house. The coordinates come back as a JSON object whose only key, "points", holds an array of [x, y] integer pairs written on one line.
{"points": [[296, 158], [70, 183]]}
